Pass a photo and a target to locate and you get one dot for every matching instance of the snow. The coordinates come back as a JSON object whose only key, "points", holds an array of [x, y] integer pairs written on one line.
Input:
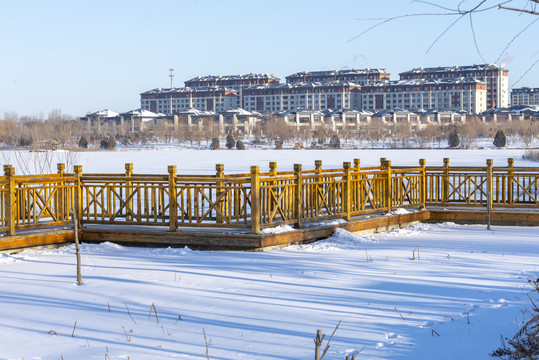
{"points": [[268, 305]]}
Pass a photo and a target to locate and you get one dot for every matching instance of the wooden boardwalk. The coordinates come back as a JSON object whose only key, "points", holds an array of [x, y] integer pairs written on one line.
{"points": [[234, 211]]}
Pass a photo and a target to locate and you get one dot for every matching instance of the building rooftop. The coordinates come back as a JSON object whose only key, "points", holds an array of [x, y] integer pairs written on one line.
{"points": [[457, 68], [233, 77], [339, 72], [197, 89], [422, 82]]}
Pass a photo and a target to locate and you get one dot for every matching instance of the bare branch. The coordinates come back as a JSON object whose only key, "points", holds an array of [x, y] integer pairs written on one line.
{"points": [[525, 73], [444, 32], [475, 39], [519, 10], [395, 18], [514, 38]]}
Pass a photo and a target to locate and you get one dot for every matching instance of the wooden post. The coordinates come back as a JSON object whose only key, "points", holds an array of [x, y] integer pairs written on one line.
{"points": [[347, 196], [270, 202], [255, 200], [423, 185], [380, 190], [60, 191], [445, 182], [77, 214], [128, 191], [273, 168], [317, 181], [172, 200], [389, 186], [219, 174], [298, 208], [77, 245], [10, 200], [510, 180], [357, 186], [318, 166], [490, 186], [317, 344]]}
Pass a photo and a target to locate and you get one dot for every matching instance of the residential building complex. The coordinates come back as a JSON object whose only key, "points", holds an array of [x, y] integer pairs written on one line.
{"points": [[171, 100], [473, 89], [495, 77], [525, 96], [314, 96], [455, 94], [358, 76]]}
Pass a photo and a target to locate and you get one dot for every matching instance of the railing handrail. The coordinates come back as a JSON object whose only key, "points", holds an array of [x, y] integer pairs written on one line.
{"points": [[258, 199]]}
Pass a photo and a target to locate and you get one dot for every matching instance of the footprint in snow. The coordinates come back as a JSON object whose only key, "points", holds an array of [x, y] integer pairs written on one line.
{"points": [[426, 324]]}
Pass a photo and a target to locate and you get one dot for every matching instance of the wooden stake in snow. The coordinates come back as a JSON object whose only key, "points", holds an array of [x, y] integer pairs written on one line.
{"points": [[77, 245], [318, 343]]}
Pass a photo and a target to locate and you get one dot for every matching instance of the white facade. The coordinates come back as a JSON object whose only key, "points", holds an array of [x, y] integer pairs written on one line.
{"points": [[210, 98], [451, 94], [496, 79], [313, 96]]}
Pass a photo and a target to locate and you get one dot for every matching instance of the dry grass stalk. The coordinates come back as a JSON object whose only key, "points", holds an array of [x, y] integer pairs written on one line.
{"points": [[207, 344], [107, 357], [52, 333], [152, 307], [399, 313], [434, 332], [369, 258], [74, 326], [128, 338], [413, 253], [108, 305], [128, 313]]}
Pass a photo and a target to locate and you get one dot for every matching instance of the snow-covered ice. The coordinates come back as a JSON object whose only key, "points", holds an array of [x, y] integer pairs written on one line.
{"points": [[268, 305]]}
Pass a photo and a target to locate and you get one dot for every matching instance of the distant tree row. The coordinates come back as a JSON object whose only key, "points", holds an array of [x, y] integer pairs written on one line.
{"points": [[58, 131]]}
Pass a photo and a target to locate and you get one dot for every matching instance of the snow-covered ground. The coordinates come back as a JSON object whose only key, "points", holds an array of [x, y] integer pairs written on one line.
{"points": [[466, 288], [189, 161]]}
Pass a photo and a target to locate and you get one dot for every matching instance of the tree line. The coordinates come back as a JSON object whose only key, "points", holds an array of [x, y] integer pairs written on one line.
{"points": [[64, 132]]}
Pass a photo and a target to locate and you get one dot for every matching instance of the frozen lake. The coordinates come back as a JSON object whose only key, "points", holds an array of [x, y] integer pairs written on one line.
{"points": [[203, 161]]}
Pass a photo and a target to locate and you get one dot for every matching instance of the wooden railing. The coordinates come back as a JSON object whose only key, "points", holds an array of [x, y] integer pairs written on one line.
{"points": [[255, 200]]}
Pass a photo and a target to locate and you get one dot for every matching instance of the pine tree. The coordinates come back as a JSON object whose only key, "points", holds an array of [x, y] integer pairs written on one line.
{"points": [[499, 139]]}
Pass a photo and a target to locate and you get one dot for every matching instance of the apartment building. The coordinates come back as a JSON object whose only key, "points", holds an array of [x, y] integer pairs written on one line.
{"points": [[357, 76], [234, 82], [456, 94], [276, 98], [525, 96], [495, 77], [168, 101]]}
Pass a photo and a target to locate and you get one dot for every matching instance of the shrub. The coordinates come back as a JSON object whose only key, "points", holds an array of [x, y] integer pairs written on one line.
{"points": [[230, 142], [525, 343], [278, 144], [499, 139], [83, 142], [453, 141], [531, 155], [214, 143], [240, 145], [335, 142], [108, 143]]}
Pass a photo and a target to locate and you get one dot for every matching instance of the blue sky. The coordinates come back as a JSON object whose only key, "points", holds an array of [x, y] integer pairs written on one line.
{"points": [[82, 56]]}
